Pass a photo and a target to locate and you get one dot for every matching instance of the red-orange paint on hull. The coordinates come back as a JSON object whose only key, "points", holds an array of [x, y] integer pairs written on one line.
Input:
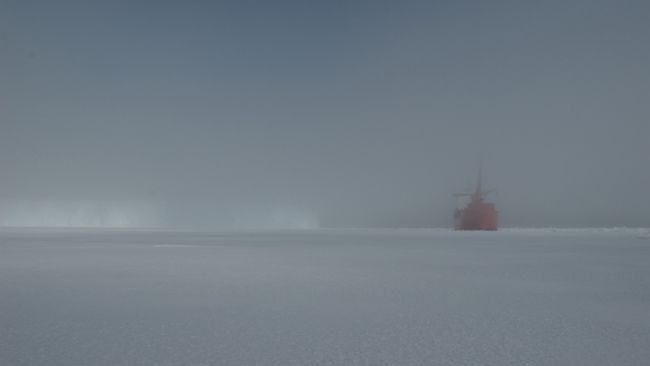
{"points": [[477, 216]]}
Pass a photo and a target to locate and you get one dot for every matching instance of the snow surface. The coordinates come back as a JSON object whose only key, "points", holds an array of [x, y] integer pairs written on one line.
{"points": [[325, 297]]}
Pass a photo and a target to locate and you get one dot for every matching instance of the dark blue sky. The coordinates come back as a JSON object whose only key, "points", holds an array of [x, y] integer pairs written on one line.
{"points": [[362, 112]]}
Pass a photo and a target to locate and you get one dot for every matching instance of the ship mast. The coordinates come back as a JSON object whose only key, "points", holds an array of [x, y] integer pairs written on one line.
{"points": [[478, 194]]}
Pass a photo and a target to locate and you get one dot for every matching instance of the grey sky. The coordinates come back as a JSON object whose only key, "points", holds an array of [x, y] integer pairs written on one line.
{"points": [[357, 112]]}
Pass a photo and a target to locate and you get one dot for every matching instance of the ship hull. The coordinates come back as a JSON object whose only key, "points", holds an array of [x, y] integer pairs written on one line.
{"points": [[477, 216]]}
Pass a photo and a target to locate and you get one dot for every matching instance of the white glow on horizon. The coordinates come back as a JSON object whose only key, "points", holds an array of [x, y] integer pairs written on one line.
{"points": [[264, 217], [81, 214]]}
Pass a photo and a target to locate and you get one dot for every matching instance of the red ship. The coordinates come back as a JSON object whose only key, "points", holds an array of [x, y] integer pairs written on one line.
{"points": [[477, 214]]}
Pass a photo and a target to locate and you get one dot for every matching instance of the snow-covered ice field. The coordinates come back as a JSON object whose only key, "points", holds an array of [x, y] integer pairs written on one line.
{"points": [[325, 297]]}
